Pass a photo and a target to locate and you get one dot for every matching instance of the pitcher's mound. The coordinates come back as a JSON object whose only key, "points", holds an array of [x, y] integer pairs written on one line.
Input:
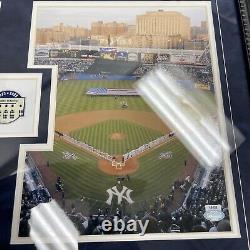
{"points": [[117, 136], [130, 167]]}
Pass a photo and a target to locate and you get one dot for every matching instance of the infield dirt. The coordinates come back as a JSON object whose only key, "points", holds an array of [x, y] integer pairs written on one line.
{"points": [[71, 122]]}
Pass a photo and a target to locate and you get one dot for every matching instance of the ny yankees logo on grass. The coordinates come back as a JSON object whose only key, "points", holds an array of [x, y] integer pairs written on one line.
{"points": [[124, 194]]}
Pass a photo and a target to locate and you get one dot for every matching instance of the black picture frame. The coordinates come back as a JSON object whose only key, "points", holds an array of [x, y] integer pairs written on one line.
{"points": [[231, 30], [244, 7]]}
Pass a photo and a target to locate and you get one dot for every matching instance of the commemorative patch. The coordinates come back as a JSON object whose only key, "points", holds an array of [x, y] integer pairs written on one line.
{"points": [[12, 106]]}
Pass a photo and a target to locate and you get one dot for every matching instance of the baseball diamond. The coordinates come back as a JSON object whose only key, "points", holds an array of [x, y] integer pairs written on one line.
{"points": [[107, 141], [83, 177], [103, 124], [134, 136]]}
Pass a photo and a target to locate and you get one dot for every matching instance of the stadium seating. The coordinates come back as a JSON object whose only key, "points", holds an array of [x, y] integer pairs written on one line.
{"points": [[112, 67]]}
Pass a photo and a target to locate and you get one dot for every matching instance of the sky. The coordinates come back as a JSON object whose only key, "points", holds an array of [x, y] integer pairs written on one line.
{"points": [[84, 16]]}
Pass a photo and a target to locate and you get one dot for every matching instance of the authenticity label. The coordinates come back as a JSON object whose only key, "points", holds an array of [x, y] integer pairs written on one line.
{"points": [[214, 213]]}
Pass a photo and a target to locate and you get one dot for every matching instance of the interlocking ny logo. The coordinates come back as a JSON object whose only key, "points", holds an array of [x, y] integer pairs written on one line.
{"points": [[124, 194]]}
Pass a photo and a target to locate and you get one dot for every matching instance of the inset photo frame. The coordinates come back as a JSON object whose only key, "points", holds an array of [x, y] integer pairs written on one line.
{"points": [[20, 96]]}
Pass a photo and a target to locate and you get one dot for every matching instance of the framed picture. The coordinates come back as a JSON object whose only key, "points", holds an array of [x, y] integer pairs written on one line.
{"points": [[142, 130]]}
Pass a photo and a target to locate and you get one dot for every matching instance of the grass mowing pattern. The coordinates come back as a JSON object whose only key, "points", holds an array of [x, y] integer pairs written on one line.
{"points": [[82, 177], [98, 136], [158, 175], [71, 97]]}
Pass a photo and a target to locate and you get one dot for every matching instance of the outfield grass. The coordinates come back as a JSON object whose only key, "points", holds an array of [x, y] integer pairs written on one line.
{"points": [[82, 177], [158, 175], [98, 136], [71, 97]]}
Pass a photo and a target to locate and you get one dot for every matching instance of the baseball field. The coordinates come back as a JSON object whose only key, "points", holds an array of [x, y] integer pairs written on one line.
{"points": [[71, 98], [103, 123]]}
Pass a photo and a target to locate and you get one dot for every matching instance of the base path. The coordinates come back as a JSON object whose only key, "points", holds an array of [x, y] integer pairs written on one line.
{"points": [[131, 165], [70, 122]]}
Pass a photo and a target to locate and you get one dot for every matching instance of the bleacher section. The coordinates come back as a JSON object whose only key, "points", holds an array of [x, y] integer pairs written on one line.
{"points": [[112, 67]]}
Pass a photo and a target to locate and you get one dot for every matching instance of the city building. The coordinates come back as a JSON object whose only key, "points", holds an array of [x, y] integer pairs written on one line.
{"points": [[96, 28], [200, 32], [153, 29], [111, 28], [204, 27], [131, 30], [162, 28], [60, 33]]}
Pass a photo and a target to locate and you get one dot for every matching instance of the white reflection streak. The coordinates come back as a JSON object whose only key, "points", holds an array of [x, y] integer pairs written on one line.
{"points": [[59, 223], [212, 130], [161, 107], [39, 243], [161, 99], [50, 225], [182, 116], [41, 221]]}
